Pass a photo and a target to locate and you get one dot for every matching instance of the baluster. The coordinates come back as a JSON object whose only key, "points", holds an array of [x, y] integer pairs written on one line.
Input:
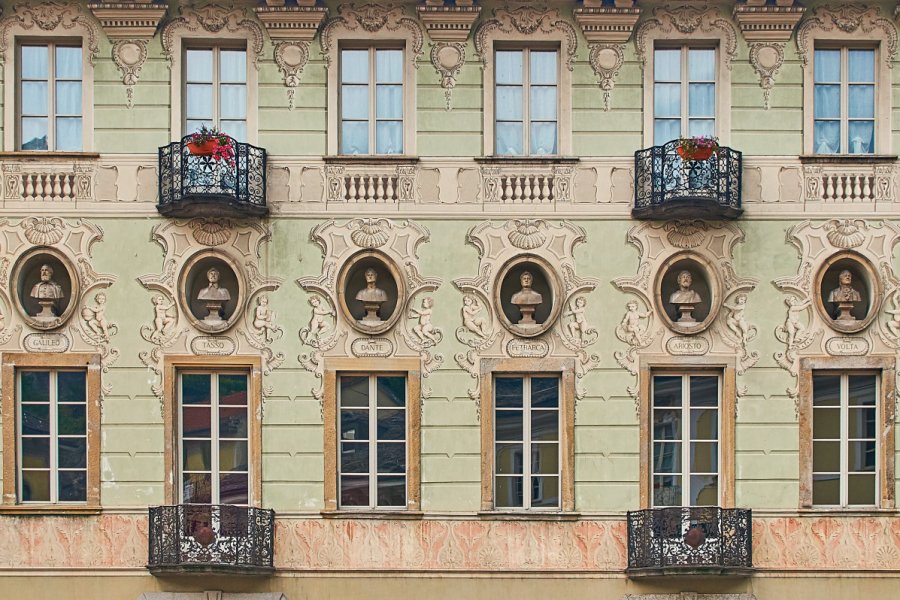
{"points": [[40, 192], [67, 187], [507, 189], [20, 191], [517, 192], [389, 193], [867, 187], [526, 188], [829, 187], [857, 188], [545, 190], [351, 190], [29, 186], [57, 188], [379, 191], [370, 187]]}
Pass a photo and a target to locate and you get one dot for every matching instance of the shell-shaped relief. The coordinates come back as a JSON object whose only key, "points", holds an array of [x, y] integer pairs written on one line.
{"points": [[686, 234], [845, 233], [527, 235], [43, 231], [211, 232], [370, 233]]}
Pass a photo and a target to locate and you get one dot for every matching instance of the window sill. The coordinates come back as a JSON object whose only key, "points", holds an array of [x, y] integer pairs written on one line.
{"points": [[528, 515], [389, 159], [847, 159], [529, 160], [853, 511], [373, 514], [50, 509], [48, 155]]}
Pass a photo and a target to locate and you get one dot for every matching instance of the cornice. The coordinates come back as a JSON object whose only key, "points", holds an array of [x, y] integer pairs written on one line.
{"points": [[448, 23], [607, 25], [767, 23], [297, 23], [126, 20]]}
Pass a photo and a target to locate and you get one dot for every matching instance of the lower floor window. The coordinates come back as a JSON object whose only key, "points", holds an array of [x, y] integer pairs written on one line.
{"points": [[372, 433], [213, 437], [53, 442], [526, 442]]}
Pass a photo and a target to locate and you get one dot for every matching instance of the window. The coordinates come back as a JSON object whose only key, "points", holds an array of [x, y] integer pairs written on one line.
{"points": [[371, 101], [684, 93], [53, 452], [50, 97], [525, 101], [845, 439], [213, 436], [216, 90], [844, 100], [686, 439], [373, 445], [526, 442]]}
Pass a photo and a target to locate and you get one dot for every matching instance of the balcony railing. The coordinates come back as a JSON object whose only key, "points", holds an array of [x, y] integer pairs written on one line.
{"points": [[197, 186], [221, 538], [669, 186], [690, 540]]}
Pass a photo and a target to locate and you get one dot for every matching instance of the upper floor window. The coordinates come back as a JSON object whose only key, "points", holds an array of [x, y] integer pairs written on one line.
{"points": [[844, 101], [371, 101], [216, 90], [845, 456], [50, 97], [526, 102], [684, 93], [686, 439]]}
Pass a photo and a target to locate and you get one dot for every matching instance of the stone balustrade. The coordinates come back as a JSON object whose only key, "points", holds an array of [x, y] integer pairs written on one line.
{"points": [[47, 181]]}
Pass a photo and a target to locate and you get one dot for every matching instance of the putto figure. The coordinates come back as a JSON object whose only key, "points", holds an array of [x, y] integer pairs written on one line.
{"points": [[632, 328], [264, 318], [317, 321], [845, 296], [372, 297], [685, 297], [162, 320], [48, 293], [473, 321], [527, 299], [95, 318], [424, 329]]}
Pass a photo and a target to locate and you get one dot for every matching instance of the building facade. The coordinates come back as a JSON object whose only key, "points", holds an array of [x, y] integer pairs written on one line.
{"points": [[465, 301]]}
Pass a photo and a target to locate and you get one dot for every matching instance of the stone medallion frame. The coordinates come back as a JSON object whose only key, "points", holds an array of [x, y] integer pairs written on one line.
{"points": [[553, 281], [183, 299], [343, 280], [872, 283], [713, 281], [15, 282]]}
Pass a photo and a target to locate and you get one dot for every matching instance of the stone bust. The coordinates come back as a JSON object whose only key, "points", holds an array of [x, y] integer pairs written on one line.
{"points": [[46, 288], [845, 291], [213, 291], [685, 294], [526, 296], [371, 293]]}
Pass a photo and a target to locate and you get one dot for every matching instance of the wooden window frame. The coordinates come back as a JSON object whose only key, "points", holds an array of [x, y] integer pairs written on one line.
{"points": [[412, 369], [172, 365], [216, 48], [844, 120], [885, 367], [9, 364], [685, 84], [564, 368], [650, 365]]}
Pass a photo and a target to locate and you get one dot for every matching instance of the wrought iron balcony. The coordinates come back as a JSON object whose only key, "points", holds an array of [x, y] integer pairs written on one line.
{"points": [[192, 185], [205, 538], [669, 186], [689, 541]]}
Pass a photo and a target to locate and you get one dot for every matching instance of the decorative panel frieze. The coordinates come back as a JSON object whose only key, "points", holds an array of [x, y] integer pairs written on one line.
{"points": [[847, 21], [687, 299], [371, 183], [686, 20], [526, 21], [51, 297], [52, 16], [370, 300], [448, 27], [48, 180], [527, 184], [843, 183], [217, 20], [526, 300], [359, 20], [607, 29], [843, 300], [767, 29], [211, 296]]}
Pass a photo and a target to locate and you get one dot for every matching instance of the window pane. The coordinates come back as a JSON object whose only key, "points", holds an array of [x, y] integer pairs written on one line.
{"points": [[233, 101], [826, 423], [36, 486], [543, 103], [71, 419], [543, 68], [508, 492], [197, 488], [71, 386], [354, 490], [667, 457], [827, 102], [702, 99], [667, 490], [392, 491], [233, 456], [35, 419], [704, 424], [233, 389], [861, 102], [35, 386], [389, 137], [698, 127], [826, 489], [861, 390], [72, 453], [355, 137], [68, 97], [545, 459], [389, 102], [355, 66], [68, 134], [666, 391], [391, 391], [68, 62], [233, 422], [667, 100], [545, 425], [510, 139], [508, 425], [233, 66], [827, 137], [389, 66], [862, 456], [827, 66], [704, 391], [73, 486], [36, 453], [234, 488], [235, 129], [666, 130], [35, 62], [391, 424], [667, 424], [354, 391], [544, 392], [543, 138], [861, 423], [861, 489], [391, 457], [862, 137], [354, 457], [34, 133], [196, 455], [667, 65], [704, 457], [508, 66], [34, 98], [196, 422], [827, 457], [508, 459], [199, 101], [509, 103], [861, 66], [199, 66], [355, 101], [508, 392], [354, 424], [544, 491], [704, 490], [702, 64], [195, 388]]}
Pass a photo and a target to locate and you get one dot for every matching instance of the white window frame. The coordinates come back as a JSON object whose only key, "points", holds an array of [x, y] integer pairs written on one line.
{"points": [[845, 85], [527, 474], [526, 98], [686, 439], [216, 49], [372, 441], [373, 94], [684, 84], [845, 439], [215, 473], [53, 435]]}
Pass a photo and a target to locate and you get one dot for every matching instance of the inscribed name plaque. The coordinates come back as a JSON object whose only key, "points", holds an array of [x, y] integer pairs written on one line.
{"points": [[847, 346], [46, 342], [687, 346], [528, 348], [212, 346], [372, 347]]}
